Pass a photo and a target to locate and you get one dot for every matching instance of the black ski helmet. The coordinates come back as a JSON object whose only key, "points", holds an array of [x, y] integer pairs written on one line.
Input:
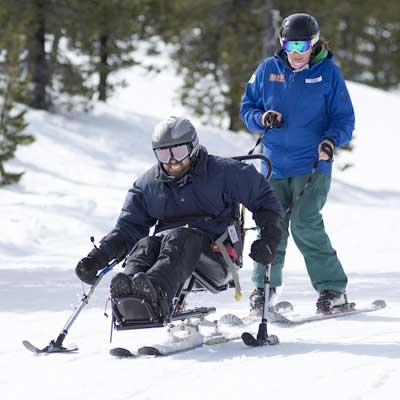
{"points": [[299, 27], [173, 132]]}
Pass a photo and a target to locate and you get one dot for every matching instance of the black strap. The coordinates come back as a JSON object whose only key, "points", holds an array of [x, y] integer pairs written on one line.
{"points": [[191, 219]]}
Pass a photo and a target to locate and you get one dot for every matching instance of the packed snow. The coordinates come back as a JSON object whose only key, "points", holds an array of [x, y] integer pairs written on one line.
{"points": [[77, 175]]}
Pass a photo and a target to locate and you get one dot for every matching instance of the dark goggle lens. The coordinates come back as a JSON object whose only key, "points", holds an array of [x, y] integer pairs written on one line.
{"points": [[178, 153], [300, 46]]}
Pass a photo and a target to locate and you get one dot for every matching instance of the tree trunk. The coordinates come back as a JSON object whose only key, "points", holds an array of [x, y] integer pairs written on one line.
{"points": [[103, 68], [235, 123], [270, 32], [37, 58]]}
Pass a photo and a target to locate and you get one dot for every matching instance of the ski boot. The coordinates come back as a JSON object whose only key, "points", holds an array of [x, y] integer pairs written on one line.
{"points": [[331, 301], [257, 300], [139, 286]]}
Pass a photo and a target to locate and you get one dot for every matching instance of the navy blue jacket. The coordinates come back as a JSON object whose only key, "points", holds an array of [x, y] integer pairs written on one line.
{"points": [[205, 199], [314, 103]]}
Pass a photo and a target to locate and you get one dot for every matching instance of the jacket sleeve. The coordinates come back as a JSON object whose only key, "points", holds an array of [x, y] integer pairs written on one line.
{"points": [[134, 222], [340, 111], [247, 186], [252, 105]]}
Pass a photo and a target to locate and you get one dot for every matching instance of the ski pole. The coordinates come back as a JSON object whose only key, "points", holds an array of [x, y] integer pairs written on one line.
{"points": [[328, 150], [83, 302], [306, 185], [267, 128], [55, 346]]}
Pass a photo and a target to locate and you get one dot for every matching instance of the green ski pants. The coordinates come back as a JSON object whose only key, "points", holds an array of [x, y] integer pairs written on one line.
{"points": [[308, 231]]}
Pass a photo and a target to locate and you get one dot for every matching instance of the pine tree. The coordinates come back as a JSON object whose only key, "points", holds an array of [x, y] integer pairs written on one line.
{"points": [[107, 34], [12, 118], [219, 43]]}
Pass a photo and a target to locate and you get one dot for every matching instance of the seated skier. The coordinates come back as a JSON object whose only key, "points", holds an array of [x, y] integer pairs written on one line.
{"points": [[189, 197]]}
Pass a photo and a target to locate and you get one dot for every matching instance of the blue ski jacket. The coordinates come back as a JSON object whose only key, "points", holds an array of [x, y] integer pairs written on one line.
{"points": [[314, 103], [206, 198]]}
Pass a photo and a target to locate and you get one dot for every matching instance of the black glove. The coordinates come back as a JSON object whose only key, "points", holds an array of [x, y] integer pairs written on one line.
{"points": [[326, 149], [263, 250], [272, 119], [111, 247], [87, 268]]}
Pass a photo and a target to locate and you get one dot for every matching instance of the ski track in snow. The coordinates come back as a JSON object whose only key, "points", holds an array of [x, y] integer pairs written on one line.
{"points": [[78, 172]]}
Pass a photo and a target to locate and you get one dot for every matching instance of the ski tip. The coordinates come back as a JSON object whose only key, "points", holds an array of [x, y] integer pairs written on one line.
{"points": [[283, 306], [29, 346], [120, 352], [149, 351], [379, 304], [231, 319], [249, 340]]}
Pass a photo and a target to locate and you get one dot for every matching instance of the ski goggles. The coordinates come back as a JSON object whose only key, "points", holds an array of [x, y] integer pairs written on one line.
{"points": [[298, 46], [178, 153]]}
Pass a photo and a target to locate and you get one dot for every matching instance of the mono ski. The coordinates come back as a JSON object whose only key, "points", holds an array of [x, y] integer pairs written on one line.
{"points": [[192, 341], [167, 349]]}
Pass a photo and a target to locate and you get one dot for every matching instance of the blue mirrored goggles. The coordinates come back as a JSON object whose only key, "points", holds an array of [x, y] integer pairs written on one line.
{"points": [[299, 46]]}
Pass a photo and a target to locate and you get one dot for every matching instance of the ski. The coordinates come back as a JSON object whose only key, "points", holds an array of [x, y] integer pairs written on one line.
{"points": [[167, 349], [286, 316], [298, 319]]}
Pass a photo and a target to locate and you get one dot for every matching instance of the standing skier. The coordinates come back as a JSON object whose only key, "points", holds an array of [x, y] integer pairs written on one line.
{"points": [[301, 95], [190, 198]]}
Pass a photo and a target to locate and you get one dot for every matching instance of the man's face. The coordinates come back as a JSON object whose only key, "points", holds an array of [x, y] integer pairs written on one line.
{"points": [[175, 168], [175, 160]]}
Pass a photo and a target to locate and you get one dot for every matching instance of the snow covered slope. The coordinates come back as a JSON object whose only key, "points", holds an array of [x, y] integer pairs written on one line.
{"points": [[77, 174]]}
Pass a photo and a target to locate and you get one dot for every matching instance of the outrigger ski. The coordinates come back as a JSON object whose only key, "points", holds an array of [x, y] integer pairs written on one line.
{"points": [[51, 348], [56, 346]]}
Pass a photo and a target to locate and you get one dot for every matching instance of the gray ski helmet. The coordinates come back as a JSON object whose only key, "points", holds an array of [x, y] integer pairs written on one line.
{"points": [[173, 132], [299, 27]]}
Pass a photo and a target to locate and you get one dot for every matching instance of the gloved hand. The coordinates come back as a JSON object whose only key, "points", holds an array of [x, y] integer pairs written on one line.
{"points": [[272, 119], [111, 247], [263, 250], [87, 268], [325, 150]]}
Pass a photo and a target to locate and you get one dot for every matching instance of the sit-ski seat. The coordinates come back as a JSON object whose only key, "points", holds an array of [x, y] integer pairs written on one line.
{"points": [[212, 274]]}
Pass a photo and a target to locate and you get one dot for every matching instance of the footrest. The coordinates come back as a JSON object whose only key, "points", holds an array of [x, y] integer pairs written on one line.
{"points": [[130, 309]]}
